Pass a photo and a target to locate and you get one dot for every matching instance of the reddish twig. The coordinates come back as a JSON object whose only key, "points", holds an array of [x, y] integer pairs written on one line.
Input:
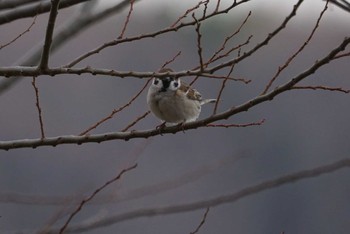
{"points": [[291, 58], [37, 103], [20, 35], [171, 60], [342, 55], [226, 77], [215, 56], [115, 111], [151, 35], [238, 47], [186, 13], [237, 125], [136, 121], [322, 88], [223, 84], [83, 202], [261, 44], [127, 19], [202, 221]]}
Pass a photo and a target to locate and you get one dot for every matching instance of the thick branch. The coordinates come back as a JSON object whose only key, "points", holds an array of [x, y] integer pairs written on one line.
{"points": [[53, 141], [49, 33]]}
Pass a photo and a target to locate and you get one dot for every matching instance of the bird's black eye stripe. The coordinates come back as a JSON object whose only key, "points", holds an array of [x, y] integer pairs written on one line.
{"points": [[156, 81]]}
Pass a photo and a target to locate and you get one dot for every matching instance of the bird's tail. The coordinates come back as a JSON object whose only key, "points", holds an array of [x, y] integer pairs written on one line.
{"points": [[208, 101]]}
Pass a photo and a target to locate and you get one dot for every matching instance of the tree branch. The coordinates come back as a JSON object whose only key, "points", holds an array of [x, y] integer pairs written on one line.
{"points": [[230, 198], [34, 9], [49, 33], [53, 141]]}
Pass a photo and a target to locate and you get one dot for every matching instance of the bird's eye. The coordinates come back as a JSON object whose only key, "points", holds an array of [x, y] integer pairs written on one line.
{"points": [[156, 81], [176, 84]]}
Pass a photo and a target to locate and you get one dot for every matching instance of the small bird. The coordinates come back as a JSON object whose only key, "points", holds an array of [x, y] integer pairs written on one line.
{"points": [[173, 101]]}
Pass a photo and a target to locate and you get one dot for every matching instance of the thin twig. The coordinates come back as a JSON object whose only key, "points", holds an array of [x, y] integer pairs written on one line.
{"points": [[215, 56], [171, 60], [186, 13], [226, 78], [86, 200], [223, 85], [115, 111], [20, 35], [151, 35], [37, 104], [262, 43], [53, 141], [291, 58], [338, 89], [127, 19], [136, 121], [342, 55], [237, 125], [220, 200], [67, 31], [202, 221]]}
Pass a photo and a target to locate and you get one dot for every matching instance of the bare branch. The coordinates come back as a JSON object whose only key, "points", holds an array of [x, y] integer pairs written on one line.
{"points": [[34, 9], [290, 59], [216, 56], [115, 111], [199, 43], [202, 222], [338, 89], [20, 35], [180, 180], [127, 19], [230, 198], [43, 65], [70, 29], [343, 4], [188, 11], [53, 141], [223, 85], [237, 125], [136, 121], [37, 103], [8, 4], [261, 44], [150, 35], [83, 202]]}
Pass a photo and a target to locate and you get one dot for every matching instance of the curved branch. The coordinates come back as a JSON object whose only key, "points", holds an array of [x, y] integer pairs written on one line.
{"points": [[230, 198], [98, 138], [34, 9]]}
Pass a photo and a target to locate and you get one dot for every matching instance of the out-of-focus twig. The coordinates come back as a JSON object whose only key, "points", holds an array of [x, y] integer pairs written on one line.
{"points": [[83, 202], [229, 198]]}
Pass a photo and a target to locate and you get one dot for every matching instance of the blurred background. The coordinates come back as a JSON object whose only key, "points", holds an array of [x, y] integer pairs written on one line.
{"points": [[303, 129]]}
